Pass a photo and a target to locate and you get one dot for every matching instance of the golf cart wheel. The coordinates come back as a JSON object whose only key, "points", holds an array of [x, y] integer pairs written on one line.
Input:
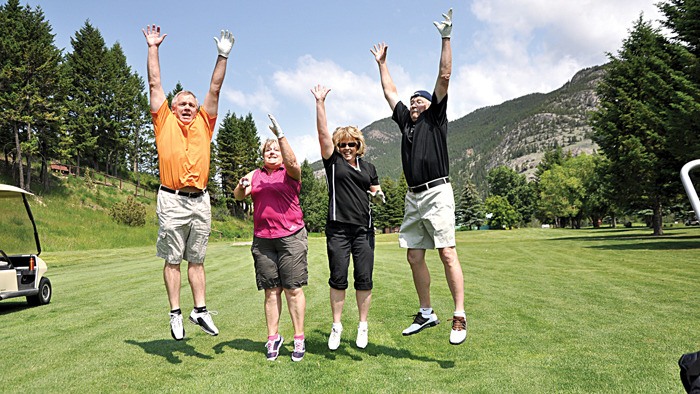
{"points": [[45, 292]]}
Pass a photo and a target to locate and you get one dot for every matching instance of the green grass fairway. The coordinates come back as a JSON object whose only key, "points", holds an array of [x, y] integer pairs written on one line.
{"points": [[549, 310]]}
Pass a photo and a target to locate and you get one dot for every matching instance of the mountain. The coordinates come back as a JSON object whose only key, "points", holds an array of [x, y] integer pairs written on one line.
{"points": [[515, 133]]}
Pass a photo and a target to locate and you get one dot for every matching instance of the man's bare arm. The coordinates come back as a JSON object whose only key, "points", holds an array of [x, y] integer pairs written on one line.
{"points": [[154, 39], [390, 93]]}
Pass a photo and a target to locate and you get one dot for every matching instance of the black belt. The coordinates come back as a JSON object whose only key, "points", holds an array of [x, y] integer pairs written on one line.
{"points": [[181, 193], [428, 185]]}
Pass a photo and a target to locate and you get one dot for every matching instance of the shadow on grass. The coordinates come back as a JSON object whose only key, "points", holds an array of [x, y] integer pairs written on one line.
{"points": [[9, 307], [661, 245], [169, 349], [242, 344], [668, 241], [374, 350], [317, 344]]}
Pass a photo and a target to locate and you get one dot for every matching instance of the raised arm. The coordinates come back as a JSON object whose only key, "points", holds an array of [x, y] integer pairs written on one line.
{"points": [[324, 136], [154, 39], [291, 165], [223, 46], [390, 93], [443, 80]]}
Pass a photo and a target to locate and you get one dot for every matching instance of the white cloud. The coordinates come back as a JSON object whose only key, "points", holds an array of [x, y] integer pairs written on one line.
{"points": [[305, 147], [261, 98], [537, 45], [355, 99]]}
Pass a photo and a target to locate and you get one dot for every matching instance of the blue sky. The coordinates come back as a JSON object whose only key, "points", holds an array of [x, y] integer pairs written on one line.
{"points": [[502, 49]]}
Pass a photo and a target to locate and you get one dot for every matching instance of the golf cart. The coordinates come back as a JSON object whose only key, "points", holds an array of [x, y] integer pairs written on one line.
{"points": [[21, 269]]}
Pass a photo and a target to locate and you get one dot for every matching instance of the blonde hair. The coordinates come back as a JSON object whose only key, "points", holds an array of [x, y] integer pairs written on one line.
{"points": [[350, 132], [267, 144], [182, 93]]}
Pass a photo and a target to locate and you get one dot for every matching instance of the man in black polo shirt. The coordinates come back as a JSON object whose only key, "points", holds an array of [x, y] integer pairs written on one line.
{"points": [[429, 221]]}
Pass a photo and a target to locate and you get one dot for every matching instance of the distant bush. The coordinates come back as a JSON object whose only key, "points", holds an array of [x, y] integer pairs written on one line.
{"points": [[129, 212]]}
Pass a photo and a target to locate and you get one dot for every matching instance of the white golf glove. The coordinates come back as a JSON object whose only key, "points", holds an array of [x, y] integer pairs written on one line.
{"points": [[377, 197], [244, 182], [225, 43], [275, 127], [445, 27]]}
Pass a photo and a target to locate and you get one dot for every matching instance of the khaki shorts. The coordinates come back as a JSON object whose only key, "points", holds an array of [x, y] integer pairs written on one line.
{"points": [[185, 225], [429, 219], [281, 262]]}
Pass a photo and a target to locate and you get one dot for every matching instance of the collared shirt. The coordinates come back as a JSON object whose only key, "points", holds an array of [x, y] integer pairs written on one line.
{"points": [[183, 149], [276, 209], [348, 201], [423, 143]]}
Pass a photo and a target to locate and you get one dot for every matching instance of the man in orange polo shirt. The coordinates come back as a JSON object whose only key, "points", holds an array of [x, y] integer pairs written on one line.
{"points": [[183, 137]]}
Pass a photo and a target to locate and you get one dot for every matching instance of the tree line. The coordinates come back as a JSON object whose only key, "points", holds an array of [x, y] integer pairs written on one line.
{"points": [[88, 107]]}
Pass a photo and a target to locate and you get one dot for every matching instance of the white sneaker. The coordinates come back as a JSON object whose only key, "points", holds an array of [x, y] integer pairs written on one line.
{"points": [[361, 340], [176, 328], [205, 321], [459, 330], [420, 322], [334, 338]]}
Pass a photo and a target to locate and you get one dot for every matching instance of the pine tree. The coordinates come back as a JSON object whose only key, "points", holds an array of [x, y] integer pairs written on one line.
{"points": [[238, 146], [87, 101], [30, 84], [313, 199], [683, 20], [631, 126], [470, 211]]}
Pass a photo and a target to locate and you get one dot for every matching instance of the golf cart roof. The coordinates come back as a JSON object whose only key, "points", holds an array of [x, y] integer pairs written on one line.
{"points": [[11, 191], [15, 201]]}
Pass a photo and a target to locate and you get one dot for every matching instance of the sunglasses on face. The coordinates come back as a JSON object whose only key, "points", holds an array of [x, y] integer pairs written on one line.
{"points": [[349, 144]]}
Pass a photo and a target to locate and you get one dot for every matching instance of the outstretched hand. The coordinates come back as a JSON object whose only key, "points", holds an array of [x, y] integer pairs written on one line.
{"points": [[320, 92], [275, 127], [379, 52], [225, 43], [152, 34], [445, 27]]}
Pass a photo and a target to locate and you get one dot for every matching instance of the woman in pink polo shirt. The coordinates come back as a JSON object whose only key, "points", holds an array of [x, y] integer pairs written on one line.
{"points": [[280, 240]]}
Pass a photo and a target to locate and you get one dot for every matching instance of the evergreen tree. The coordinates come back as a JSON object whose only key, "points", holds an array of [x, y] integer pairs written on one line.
{"points": [[87, 101], [631, 127], [396, 202], [238, 146], [127, 113], [385, 215], [470, 210], [313, 199], [683, 19], [30, 85]]}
